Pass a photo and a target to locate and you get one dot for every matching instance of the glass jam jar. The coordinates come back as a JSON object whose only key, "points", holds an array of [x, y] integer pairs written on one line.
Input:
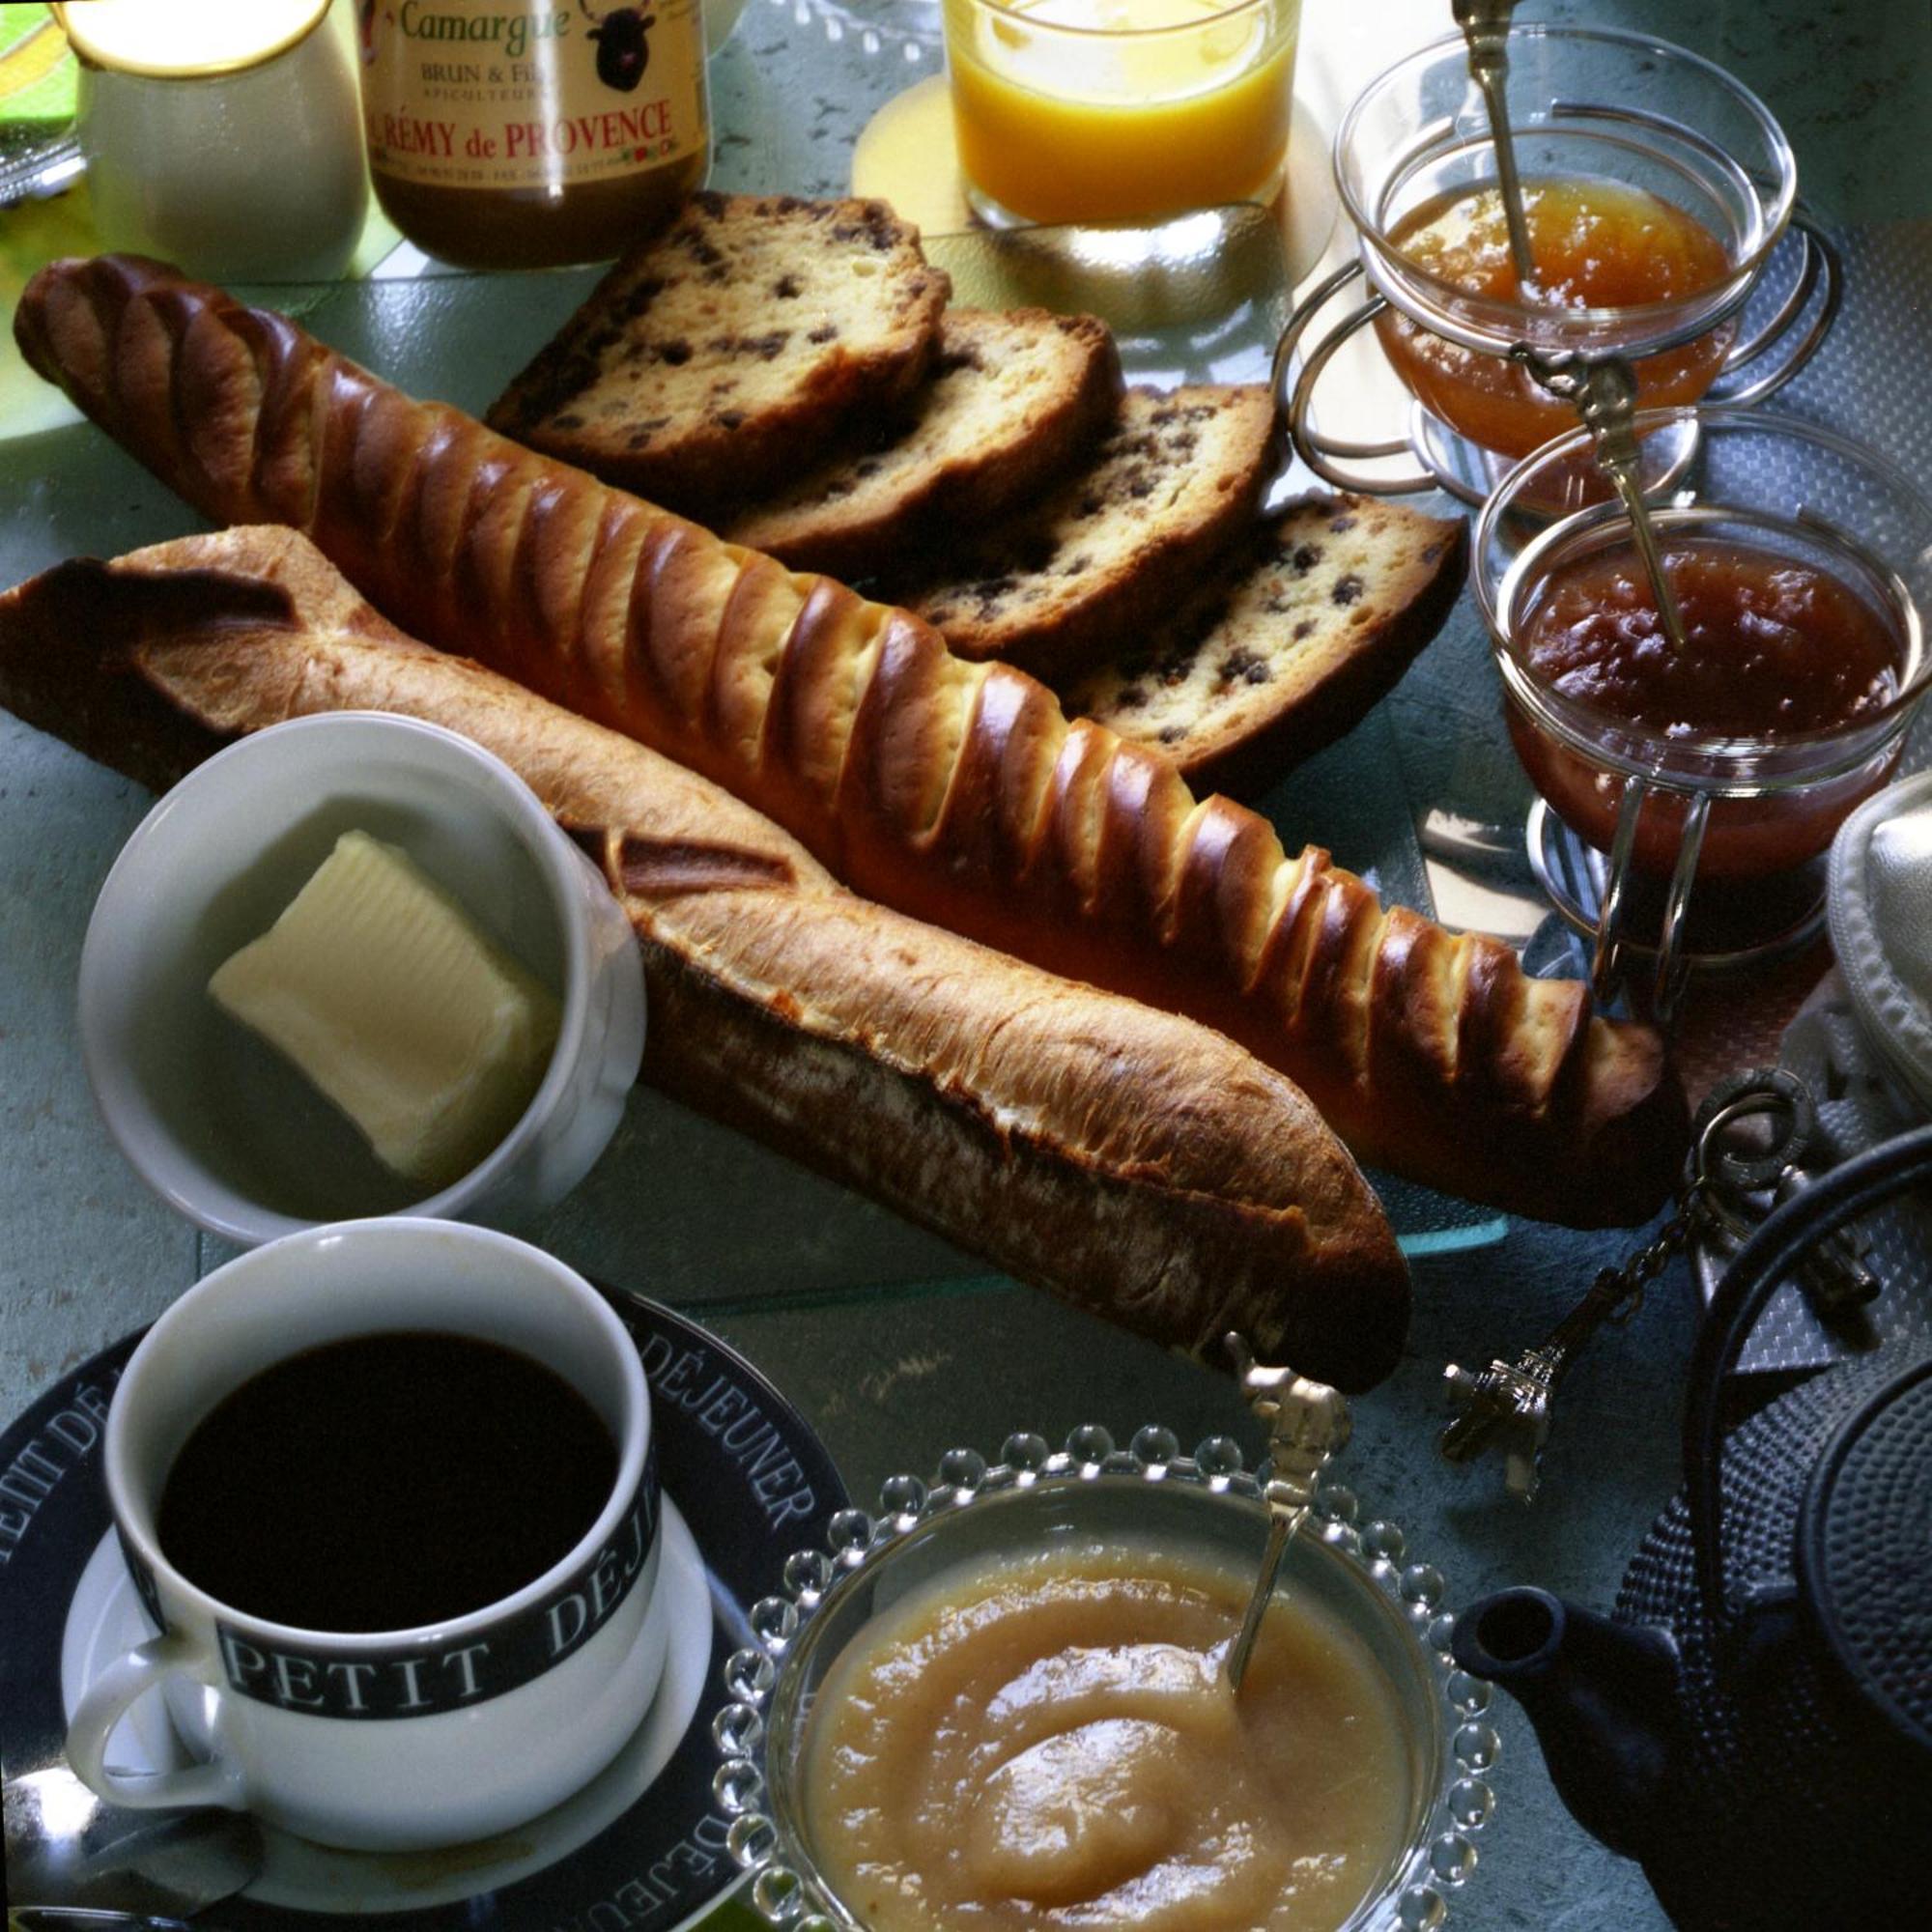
{"points": [[1657, 189], [1598, 243], [1802, 565], [506, 134]]}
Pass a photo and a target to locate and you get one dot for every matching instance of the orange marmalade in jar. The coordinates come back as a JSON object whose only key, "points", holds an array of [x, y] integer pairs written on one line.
{"points": [[1596, 244], [519, 135]]}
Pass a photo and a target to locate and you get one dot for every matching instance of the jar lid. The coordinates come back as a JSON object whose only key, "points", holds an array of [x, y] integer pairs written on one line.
{"points": [[198, 43], [1879, 901]]}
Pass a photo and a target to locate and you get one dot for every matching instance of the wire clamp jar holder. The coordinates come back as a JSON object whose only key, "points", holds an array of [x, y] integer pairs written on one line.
{"points": [[1633, 811], [1610, 953]]}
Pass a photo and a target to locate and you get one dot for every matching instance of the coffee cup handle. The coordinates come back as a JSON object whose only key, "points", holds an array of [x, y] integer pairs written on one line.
{"points": [[103, 1704]]}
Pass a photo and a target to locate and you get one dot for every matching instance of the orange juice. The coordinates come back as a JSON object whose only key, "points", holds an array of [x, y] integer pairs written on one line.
{"points": [[1108, 110]]}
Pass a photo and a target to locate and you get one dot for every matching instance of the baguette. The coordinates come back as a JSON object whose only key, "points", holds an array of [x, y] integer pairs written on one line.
{"points": [[957, 792], [1132, 1162]]}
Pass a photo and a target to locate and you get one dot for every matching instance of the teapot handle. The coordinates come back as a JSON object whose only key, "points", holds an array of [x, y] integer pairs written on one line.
{"points": [[1764, 1262]]}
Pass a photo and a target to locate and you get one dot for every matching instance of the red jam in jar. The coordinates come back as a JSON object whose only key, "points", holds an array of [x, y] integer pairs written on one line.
{"points": [[1596, 244], [1775, 649], [1773, 645]]}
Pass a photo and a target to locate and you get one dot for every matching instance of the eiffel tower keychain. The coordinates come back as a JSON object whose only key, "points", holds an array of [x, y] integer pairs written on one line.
{"points": [[1510, 1403]]}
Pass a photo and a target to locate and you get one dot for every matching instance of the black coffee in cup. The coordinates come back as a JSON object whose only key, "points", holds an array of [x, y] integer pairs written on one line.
{"points": [[386, 1482]]}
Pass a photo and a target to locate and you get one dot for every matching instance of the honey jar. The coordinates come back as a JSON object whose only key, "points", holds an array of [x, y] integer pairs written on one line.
{"points": [[526, 135]]}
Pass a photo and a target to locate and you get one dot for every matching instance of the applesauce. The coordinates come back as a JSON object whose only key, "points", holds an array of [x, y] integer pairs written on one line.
{"points": [[1052, 1742]]}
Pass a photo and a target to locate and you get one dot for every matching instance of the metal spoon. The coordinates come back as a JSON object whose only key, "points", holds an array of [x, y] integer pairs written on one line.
{"points": [[1603, 390], [1307, 1423], [1486, 25], [66, 1847]]}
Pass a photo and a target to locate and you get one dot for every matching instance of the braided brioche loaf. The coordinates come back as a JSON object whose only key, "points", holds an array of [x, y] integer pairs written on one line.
{"points": [[957, 792]]}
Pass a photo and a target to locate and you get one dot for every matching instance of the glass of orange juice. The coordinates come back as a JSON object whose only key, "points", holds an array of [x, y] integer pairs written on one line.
{"points": [[1118, 110]]}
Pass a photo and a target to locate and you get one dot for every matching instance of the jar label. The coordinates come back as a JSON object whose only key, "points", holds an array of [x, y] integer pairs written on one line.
{"points": [[466, 94]]}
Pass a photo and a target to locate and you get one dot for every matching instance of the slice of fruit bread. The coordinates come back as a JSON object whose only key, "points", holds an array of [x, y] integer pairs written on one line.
{"points": [[1016, 398], [1082, 571], [1288, 644], [716, 358]]}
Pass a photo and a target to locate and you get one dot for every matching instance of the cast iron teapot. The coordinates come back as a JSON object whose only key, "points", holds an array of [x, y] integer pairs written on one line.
{"points": [[1754, 1722]]}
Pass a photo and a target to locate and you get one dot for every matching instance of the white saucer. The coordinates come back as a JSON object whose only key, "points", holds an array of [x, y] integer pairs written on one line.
{"points": [[105, 1618]]}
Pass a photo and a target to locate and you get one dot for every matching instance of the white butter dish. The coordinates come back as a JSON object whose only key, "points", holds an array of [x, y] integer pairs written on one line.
{"points": [[216, 1122]]}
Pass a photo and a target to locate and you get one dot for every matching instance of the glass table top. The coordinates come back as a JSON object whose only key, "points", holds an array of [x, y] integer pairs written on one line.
{"points": [[897, 1344]]}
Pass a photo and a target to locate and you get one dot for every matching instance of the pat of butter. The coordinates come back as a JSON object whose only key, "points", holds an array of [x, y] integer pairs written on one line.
{"points": [[384, 993]]}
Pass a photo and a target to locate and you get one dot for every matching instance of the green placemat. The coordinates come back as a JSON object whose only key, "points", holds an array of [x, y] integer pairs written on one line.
{"points": [[37, 71]]}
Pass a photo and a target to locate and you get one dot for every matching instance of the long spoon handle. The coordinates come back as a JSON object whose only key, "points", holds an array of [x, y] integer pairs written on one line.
{"points": [[1603, 390], [1307, 1423], [1486, 25]]}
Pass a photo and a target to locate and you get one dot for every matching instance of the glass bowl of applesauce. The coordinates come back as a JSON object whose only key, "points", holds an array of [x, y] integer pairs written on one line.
{"points": [[1001, 1704], [1657, 191], [1802, 566]]}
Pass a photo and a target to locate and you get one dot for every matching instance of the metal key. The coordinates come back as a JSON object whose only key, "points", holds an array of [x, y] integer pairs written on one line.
{"points": [[1832, 1274]]}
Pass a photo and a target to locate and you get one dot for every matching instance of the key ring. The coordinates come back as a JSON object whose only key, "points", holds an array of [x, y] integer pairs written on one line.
{"points": [[1511, 1402], [1772, 1090]]}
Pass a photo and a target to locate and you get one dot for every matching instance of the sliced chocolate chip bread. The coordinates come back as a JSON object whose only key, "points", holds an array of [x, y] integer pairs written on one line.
{"points": [[715, 359], [1082, 571], [1016, 399], [1288, 644]]}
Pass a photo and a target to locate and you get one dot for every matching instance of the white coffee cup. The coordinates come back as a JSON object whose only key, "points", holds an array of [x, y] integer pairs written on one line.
{"points": [[401, 1738]]}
